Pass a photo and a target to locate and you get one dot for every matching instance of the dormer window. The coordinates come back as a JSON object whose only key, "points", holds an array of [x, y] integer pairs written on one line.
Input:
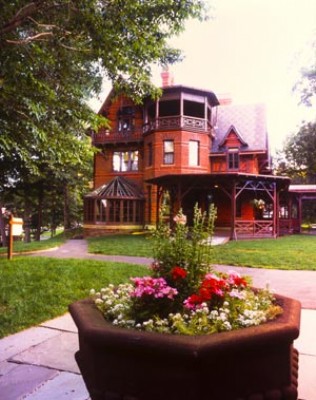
{"points": [[126, 119], [233, 159]]}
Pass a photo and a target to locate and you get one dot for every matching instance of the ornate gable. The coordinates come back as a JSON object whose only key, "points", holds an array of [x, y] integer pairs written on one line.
{"points": [[248, 122], [232, 139]]}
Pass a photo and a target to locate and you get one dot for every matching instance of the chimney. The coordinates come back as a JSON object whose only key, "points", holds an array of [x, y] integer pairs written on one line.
{"points": [[225, 99], [167, 77]]}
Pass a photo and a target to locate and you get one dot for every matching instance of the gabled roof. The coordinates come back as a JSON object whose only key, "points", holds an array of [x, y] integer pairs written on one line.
{"points": [[249, 121], [117, 188], [238, 135]]}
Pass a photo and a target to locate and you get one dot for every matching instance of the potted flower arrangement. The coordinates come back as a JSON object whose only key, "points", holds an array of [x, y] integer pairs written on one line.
{"points": [[258, 204], [185, 331]]}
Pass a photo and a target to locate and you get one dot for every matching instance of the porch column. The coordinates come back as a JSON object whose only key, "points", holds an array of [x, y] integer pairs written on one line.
{"points": [[276, 200], [300, 212], [157, 114], [233, 212], [181, 111], [158, 199]]}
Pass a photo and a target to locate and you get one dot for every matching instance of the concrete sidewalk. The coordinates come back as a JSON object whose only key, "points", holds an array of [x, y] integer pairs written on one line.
{"points": [[39, 363]]}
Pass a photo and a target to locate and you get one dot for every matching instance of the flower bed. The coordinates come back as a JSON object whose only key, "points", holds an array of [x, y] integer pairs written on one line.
{"points": [[184, 295]]}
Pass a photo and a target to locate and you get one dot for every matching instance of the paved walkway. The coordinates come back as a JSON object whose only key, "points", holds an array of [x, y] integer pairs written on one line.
{"points": [[38, 363]]}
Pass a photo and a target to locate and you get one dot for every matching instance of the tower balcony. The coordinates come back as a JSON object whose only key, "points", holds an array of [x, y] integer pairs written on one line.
{"points": [[106, 136], [178, 122]]}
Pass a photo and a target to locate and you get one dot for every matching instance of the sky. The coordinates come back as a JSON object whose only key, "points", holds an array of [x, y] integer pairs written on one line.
{"points": [[251, 50]]}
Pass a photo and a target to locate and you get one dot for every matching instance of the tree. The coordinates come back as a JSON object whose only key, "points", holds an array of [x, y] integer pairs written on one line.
{"points": [[299, 155], [53, 56], [306, 85], [297, 159], [55, 52]]}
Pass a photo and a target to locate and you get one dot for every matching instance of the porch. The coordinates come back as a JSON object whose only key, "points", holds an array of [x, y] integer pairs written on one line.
{"points": [[247, 204]]}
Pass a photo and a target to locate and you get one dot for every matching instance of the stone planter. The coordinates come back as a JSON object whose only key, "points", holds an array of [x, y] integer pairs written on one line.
{"points": [[256, 363]]}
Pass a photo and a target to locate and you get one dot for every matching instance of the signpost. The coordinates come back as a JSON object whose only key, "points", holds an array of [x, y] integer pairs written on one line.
{"points": [[15, 229]]}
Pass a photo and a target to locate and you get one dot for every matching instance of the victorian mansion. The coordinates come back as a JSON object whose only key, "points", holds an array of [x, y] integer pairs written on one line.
{"points": [[187, 147]]}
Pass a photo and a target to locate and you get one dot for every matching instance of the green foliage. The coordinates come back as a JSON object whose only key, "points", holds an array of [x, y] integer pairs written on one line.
{"points": [[189, 248], [306, 85], [33, 290], [299, 154], [59, 52]]}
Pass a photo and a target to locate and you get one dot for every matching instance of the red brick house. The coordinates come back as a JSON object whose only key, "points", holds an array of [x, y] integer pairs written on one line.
{"points": [[185, 148]]}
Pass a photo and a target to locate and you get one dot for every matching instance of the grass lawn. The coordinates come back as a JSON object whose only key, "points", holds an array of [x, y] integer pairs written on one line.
{"points": [[295, 252], [21, 247], [288, 252], [127, 244], [34, 289]]}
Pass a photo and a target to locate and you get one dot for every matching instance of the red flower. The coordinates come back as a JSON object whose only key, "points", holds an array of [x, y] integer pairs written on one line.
{"points": [[178, 273], [193, 302], [237, 280], [212, 285]]}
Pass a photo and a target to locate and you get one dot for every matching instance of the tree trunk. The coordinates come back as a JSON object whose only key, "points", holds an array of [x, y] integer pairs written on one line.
{"points": [[67, 224], [2, 228], [39, 215]]}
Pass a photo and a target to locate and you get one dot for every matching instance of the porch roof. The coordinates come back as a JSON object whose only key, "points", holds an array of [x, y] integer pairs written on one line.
{"points": [[282, 182], [302, 188]]}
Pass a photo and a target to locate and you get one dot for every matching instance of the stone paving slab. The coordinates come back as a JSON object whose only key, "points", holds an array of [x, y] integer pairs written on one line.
{"points": [[306, 378], [15, 344], [23, 380], [65, 386], [6, 367], [300, 285], [306, 342], [63, 323], [57, 353]]}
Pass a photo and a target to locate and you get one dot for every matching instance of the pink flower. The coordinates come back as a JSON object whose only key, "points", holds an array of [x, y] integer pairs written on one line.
{"points": [[155, 287], [180, 219]]}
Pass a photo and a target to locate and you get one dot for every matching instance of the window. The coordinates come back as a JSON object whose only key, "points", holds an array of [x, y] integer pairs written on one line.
{"points": [[193, 109], [168, 152], [194, 153], [233, 159], [126, 119], [125, 161], [169, 108], [150, 154]]}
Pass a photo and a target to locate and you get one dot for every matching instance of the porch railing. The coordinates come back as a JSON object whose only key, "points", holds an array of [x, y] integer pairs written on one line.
{"points": [[254, 228], [289, 225], [124, 136]]}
